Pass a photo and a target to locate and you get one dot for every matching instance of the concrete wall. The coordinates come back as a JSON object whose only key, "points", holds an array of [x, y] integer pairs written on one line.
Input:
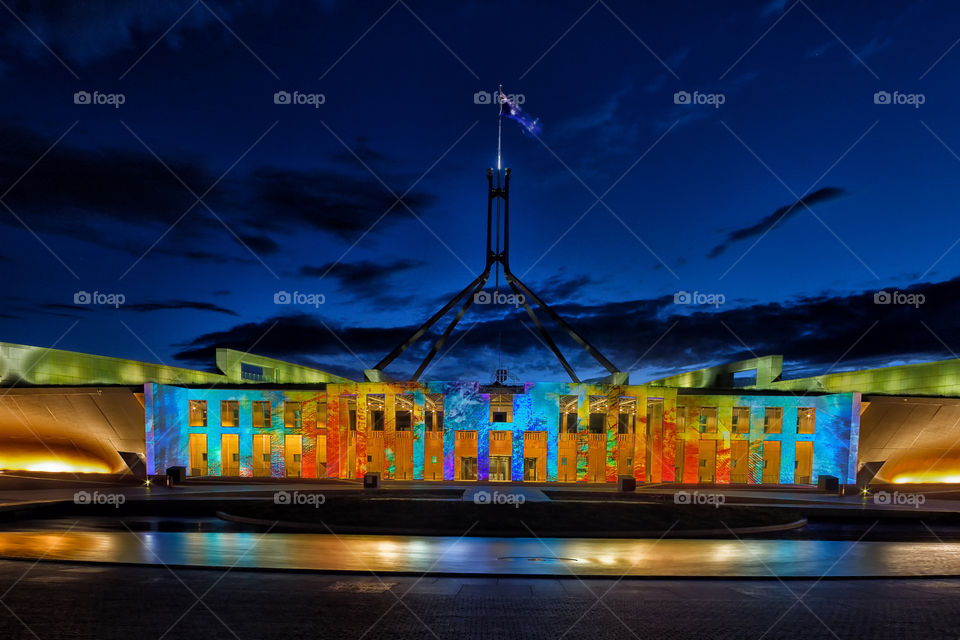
{"points": [[70, 429], [917, 439]]}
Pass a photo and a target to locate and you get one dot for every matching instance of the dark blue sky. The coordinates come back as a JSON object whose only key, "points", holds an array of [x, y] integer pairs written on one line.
{"points": [[695, 197]]}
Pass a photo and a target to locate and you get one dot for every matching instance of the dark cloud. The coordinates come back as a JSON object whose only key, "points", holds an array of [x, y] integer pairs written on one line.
{"points": [[87, 31], [820, 195], [179, 304], [124, 199], [812, 333], [342, 204], [364, 279]]}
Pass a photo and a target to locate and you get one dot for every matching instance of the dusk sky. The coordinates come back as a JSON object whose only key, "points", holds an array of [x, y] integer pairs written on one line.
{"points": [[785, 160]]}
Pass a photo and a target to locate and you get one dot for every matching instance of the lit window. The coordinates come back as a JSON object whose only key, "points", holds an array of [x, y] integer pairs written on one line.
{"points": [[293, 415], [403, 405], [741, 420], [708, 419], [198, 413], [501, 408], [598, 414], [681, 418], [568, 414], [261, 414], [375, 402], [229, 413], [773, 420], [626, 420], [806, 419]]}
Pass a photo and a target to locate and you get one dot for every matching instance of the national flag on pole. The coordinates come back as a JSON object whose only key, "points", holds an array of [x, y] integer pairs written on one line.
{"points": [[510, 109]]}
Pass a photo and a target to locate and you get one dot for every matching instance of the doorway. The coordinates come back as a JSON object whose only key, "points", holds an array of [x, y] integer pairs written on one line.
{"points": [[230, 455], [771, 462], [803, 465], [707, 466], [468, 468], [499, 468], [198, 454], [261, 455], [292, 455], [739, 466], [530, 469]]}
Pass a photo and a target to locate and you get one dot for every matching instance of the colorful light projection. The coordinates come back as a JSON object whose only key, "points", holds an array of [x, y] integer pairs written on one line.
{"points": [[336, 421], [168, 431]]}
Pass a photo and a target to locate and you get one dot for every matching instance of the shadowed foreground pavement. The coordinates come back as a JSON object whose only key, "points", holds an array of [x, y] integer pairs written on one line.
{"points": [[47, 600]]}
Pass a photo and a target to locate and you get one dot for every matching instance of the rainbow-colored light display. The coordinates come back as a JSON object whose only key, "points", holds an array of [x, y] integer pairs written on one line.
{"points": [[653, 448]]}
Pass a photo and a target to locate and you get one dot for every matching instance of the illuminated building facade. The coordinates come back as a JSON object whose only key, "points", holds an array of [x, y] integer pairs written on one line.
{"points": [[536, 432], [260, 417]]}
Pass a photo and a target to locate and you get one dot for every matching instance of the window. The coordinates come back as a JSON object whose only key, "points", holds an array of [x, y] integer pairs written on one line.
{"points": [[261, 413], [229, 413], [293, 415], [348, 412], [198, 413], [434, 459], [375, 402], [252, 372], [626, 419], [773, 420], [806, 417], [501, 408], [433, 411], [741, 420], [654, 416], [681, 418], [568, 414], [598, 414], [403, 405], [708, 419]]}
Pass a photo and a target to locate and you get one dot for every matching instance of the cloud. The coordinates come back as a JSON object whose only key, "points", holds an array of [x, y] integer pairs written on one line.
{"points": [[178, 304], [364, 279], [812, 332], [825, 194], [84, 32], [123, 199]]}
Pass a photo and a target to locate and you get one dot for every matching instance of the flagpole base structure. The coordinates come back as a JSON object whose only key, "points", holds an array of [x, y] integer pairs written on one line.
{"points": [[497, 254]]}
